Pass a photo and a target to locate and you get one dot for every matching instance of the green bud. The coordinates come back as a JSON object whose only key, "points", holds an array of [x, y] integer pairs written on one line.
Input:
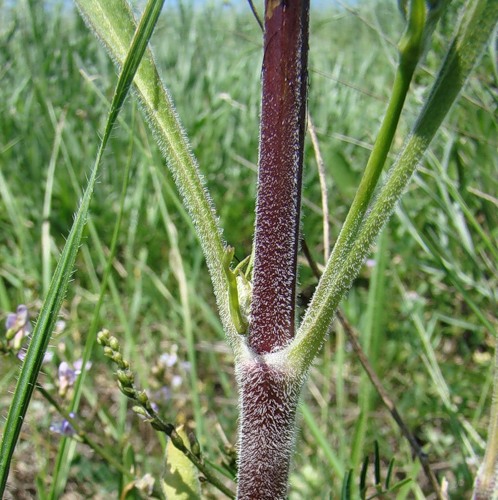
{"points": [[11, 332], [108, 352], [139, 410], [103, 337], [129, 392], [117, 357], [114, 344], [195, 447], [177, 440], [126, 377], [142, 398]]}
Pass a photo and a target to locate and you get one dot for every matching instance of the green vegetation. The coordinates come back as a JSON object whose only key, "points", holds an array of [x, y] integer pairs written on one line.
{"points": [[426, 320]]}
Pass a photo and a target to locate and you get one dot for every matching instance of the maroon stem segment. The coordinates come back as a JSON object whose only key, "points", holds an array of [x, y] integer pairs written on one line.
{"points": [[269, 398], [282, 133]]}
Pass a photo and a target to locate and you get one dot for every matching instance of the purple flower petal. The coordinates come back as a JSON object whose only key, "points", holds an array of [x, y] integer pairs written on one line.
{"points": [[64, 428], [10, 321]]}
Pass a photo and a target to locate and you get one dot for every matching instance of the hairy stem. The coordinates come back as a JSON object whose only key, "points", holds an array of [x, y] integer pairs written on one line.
{"points": [[282, 133], [269, 398], [269, 393]]}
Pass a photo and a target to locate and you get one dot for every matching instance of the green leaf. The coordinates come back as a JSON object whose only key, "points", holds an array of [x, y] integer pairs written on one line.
{"points": [[378, 479], [346, 485], [62, 275], [181, 477], [363, 477]]}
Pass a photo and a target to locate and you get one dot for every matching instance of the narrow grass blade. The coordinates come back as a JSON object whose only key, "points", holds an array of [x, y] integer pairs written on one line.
{"points": [[410, 48], [67, 446], [58, 287], [322, 441], [346, 486]]}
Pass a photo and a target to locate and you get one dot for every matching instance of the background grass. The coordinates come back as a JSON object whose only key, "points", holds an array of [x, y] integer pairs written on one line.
{"points": [[427, 320]]}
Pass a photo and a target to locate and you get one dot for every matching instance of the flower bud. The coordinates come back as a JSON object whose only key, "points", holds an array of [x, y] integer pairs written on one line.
{"points": [[126, 377], [114, 343], [108, 352], [103, 337], [142, 397], [195, 447], [139, 410]]}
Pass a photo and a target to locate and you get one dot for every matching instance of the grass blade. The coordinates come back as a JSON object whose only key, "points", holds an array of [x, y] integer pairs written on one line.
{"points": [[58, 287]]}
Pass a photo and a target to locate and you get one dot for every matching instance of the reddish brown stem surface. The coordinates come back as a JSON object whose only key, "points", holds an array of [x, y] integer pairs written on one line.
{"points": [[269, 399], [269, 394], [283, 113]]}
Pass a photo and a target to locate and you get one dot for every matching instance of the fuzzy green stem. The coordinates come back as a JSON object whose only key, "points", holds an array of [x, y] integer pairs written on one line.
{"points": [[114, 24], [474, 31], [410, 48]]}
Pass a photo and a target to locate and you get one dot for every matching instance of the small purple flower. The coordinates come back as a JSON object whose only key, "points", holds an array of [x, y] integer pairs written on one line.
{"points": [[18, 326], [176, 381], [67, 375], [370, 263], [168, 359], [64, 428]]}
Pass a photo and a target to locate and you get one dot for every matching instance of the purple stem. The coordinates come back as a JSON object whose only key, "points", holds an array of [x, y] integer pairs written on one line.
{"points": [[283, 120], [269, 398], [269, 393]]}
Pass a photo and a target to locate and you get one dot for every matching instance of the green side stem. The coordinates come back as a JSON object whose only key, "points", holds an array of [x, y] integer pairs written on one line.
{"points": [[410, 48], [475, 29], [113, 24]]}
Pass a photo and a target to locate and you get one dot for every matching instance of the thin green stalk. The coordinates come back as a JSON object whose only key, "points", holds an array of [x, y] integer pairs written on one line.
{"points": [[143, 406], [323, 186], [133, 57], [474, 31], [410, 48]]}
